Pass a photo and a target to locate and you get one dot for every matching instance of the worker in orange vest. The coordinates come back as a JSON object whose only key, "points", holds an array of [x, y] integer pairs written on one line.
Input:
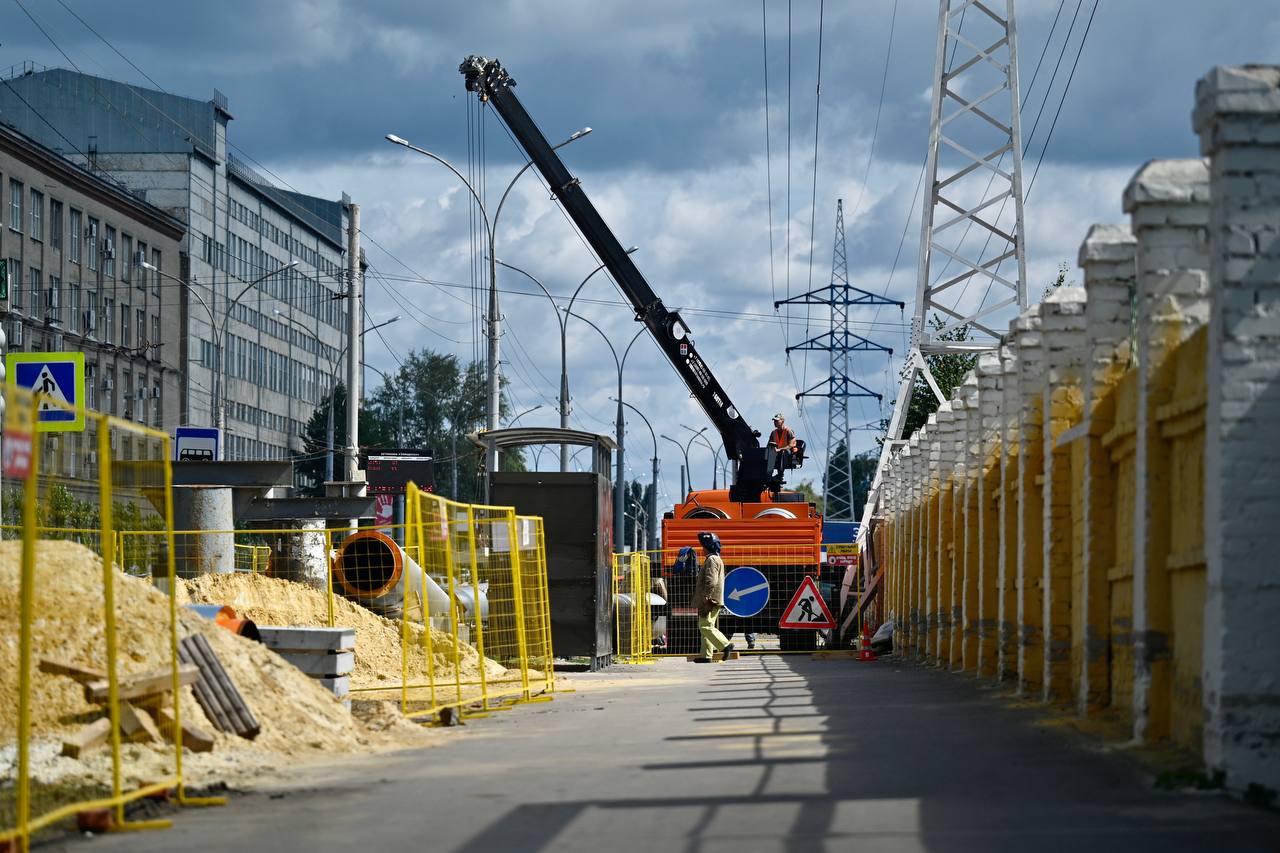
{"points": [[783, 441]]}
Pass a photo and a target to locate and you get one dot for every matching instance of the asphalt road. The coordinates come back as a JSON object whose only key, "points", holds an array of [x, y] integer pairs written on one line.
{"points": [[760, 754]]}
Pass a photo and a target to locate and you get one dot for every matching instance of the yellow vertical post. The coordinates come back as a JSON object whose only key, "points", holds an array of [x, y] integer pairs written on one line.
{"points": [[451, 574], [517, 591], [475, 591], [30, 521], [546, 604], [109, 605], [427, 640]]}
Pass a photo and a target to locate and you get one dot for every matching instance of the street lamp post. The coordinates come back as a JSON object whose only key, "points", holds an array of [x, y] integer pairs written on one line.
{"points": [[333, 389], [618, 519], [491, 224], [715, 457], [564, 322], [217, 393], [684, 448], [652, 541]]}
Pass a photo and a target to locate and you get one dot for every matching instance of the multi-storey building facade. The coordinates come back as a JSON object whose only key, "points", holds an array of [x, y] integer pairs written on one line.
{"points": [[281, 329], [73, 245]]}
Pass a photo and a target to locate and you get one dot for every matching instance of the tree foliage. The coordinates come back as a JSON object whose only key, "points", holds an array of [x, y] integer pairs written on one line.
{"points": [[431, 402]]}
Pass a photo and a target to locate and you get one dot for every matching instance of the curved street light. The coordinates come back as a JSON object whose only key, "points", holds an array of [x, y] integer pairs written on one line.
{"points": [[715, 456], [618, 521], [563, 323], [492, 356], [652, 542]]}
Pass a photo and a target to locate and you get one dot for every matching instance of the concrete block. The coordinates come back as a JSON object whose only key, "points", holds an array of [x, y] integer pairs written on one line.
{"points": [[308, 639], [339, 685], [322, 664]]}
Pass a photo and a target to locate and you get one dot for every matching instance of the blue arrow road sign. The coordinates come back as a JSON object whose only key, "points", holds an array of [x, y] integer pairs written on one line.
{"points": [[746, 591]]}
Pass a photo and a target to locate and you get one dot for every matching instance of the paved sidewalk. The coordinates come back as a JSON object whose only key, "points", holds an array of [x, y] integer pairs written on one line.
{"points": [[760, 754]]}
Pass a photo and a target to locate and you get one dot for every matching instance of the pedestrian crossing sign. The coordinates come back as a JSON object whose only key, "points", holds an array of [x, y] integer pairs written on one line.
{"points": [[807, 609], [57, 380]]}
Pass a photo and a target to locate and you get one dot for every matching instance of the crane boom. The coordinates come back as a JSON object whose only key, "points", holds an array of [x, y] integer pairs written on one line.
{"points": [[488, 79]]}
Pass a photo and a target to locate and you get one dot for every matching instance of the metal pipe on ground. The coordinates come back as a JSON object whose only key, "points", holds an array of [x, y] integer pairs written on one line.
{"points": [[372, 570]]}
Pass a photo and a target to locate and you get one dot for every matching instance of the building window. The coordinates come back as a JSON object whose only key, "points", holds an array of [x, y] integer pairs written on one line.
{"points": [[141, 317], [155, 335], [73, 237], [73, 307], [15, 205], [126, 397], [36, 287], [37, 215], [126, 258], [109, 253], [155, 276], [55, 224], [53, 312], [124, 326], [14, 271], [155, 404], [91, 385], [91, 312], [108, 321], [92, 236]]}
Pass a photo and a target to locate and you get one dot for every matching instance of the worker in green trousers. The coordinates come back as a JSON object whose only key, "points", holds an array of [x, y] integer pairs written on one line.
{"points": [[708, 595]]}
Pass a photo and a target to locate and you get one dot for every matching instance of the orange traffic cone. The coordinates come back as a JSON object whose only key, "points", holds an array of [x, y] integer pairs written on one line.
{"points": [[864, 651]]}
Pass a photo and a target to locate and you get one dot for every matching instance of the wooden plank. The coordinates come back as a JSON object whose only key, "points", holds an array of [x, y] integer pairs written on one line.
{"points": [[136, 725], [323, 663], [193, 738], [215, 691], [89, 736], [75, 672], [142, 684], [307, 639]]}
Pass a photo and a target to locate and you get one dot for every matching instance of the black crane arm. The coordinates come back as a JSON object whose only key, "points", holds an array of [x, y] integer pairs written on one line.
{"points": [[487, 78]]}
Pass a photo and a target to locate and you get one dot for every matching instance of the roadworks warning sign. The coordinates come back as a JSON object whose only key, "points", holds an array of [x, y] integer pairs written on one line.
{"points": [[807, 609]]}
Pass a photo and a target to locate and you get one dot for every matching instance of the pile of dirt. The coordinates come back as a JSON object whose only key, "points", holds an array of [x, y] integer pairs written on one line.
{"points": [[299, 718], [272, 601]]}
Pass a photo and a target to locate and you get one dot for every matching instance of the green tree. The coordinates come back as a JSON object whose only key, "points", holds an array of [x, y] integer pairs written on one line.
{"points": [[431, 402], [805, 487], [637, 506], [948, 369]]}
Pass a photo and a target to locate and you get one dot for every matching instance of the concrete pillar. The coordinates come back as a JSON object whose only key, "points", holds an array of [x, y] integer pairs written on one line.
{"points": [[206, 510], [1237, 116], [946, 542], [1107, 257], [1168, 203], [970, 568], [990, 376], [1010, 448], [304, 555], [1062, 319], [1030, 566]]}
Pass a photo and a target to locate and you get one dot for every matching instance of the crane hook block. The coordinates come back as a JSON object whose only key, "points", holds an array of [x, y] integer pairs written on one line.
{"points": [[484, 76]]}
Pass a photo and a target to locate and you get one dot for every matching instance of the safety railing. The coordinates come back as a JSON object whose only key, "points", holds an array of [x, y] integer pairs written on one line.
{"points": [[633, 600], [778, 598], [77, 635]]}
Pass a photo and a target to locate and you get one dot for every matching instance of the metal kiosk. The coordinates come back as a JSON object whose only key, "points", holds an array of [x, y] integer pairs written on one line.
{"points": [[577, 512]]}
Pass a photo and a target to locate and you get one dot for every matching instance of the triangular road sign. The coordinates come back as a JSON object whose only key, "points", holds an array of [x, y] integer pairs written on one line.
{"points": [[807, 609]]}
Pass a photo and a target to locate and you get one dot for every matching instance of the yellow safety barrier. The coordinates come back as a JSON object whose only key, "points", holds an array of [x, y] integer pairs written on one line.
{"points": [[759, 597], [633, 585], [71, 481]]}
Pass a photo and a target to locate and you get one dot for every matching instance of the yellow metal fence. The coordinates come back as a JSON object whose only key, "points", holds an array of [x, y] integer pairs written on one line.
{"points": [[69, 615], [633, 608]]}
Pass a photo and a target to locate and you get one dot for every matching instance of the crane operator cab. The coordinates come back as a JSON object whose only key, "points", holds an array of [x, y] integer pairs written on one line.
{"points": [[784, 451]]}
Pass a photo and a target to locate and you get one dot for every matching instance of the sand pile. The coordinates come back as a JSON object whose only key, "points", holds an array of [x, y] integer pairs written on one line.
{"points": [[299, 718], [272, 601]]}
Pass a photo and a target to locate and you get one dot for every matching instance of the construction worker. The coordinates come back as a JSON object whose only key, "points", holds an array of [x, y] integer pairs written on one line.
{"points": [[783, 442], [708, 596]]}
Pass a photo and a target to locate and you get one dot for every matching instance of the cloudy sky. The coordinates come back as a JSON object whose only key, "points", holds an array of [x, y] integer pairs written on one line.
{"points": [[676, 94]]}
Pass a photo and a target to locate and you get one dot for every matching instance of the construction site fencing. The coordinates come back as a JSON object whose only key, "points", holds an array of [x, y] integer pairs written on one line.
{"points": [[633, 608], [762, 581], [73, 630], [457, 596]]}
